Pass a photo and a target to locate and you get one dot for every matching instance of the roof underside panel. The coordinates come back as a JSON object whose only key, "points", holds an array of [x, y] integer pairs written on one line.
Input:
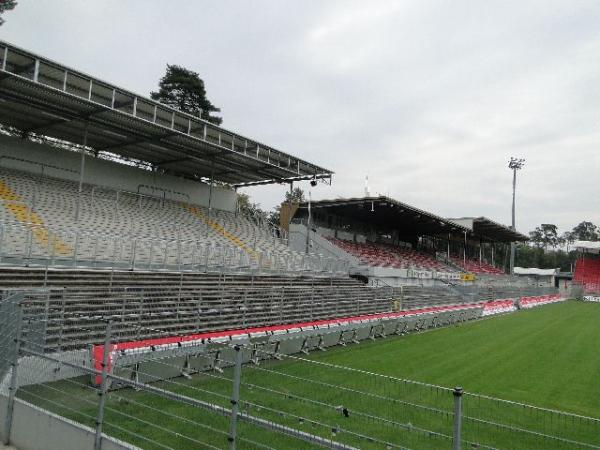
{"points": [[43, 97], [487, 229], [387, 214]]}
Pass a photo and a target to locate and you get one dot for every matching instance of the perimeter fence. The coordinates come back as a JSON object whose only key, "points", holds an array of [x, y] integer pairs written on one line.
{"points": [[242, 394]]}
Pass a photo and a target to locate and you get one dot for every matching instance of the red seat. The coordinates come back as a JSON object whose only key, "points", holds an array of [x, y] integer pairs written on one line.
{"points": [[587, 273]]}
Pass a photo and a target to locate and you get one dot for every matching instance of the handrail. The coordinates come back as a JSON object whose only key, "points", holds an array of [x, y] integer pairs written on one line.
{"points": [[118, 192], [164, 191], [29, 161], [231, 257], [138, 194]]}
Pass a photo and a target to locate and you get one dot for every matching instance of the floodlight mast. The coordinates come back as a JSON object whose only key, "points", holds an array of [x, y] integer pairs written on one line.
{"points": [[514, 164], [308, 223]]}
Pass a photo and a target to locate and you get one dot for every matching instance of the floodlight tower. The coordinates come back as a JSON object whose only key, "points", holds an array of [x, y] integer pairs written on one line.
{"points": [[514, 164]]}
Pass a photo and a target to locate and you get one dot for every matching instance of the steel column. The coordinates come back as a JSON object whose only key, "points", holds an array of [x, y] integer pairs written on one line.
{"points": [[235, 397], [102, 393], [308, 223], [36, 71], [81, 171], [12, 389], [480, 252], [458, 392], [512, 244], [465, 252], [210, 189], [4, 58]]}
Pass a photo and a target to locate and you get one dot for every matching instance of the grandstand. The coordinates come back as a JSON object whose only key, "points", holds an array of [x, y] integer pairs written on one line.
{"points": [[48, 219], [587, 267], [385, 255], [390, 241], [475, 266], [125, 258]]}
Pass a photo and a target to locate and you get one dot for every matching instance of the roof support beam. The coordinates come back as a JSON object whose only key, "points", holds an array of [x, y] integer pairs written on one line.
{"points": [[172, 161], [83, 117], [143, 140], [55, 102]]}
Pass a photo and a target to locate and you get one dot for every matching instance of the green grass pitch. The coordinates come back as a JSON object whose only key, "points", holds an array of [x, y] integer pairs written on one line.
{"points": [[546, 356]]}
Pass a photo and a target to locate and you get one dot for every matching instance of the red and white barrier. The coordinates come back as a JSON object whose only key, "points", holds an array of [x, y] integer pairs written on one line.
{"points": [[499, 307], [532, 302], [178, 342], [181, 342]]}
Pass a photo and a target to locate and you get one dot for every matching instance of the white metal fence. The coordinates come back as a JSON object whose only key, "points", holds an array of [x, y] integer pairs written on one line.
{"points": [[245, 395]]}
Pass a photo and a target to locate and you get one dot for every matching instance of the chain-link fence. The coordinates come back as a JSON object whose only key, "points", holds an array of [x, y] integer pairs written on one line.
{"points": [[221, 393]]}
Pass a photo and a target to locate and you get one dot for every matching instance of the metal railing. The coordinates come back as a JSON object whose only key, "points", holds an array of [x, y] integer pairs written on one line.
{"points": [[246, 394], [164, 191], [263, 223], [37, 245], [42, 165]]}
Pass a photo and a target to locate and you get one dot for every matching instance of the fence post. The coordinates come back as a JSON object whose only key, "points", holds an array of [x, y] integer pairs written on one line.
{"points": [[12, 389], [458, 392], [1, 240], [235, 397], [103, 388], [179, 252], [29, 244], [133, 254], [75, 249]]}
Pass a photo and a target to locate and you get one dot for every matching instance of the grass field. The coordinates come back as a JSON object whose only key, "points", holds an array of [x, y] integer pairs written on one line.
{"points": [[549, 356], [545, 357]]}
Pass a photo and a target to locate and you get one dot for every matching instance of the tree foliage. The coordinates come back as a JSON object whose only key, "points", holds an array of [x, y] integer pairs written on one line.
{"points": [[296, 196], [548, 250], [6, 5], [544, 236], [249, 208], [531, 256], [184, 89], [586, 231]]}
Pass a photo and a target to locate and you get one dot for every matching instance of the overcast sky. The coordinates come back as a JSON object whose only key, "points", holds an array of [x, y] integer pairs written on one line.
{"points": [[429, 98]]}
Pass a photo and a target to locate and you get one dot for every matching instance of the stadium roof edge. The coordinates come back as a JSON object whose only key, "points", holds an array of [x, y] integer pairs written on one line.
{"points": [[484, 227], [587, 246], [428, 222], [41, 96]]}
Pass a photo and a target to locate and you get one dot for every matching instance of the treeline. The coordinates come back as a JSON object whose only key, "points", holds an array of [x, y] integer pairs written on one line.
{"points": [[547, 249]]}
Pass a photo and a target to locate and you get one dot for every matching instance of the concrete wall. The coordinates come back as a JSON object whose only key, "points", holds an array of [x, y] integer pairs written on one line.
{"points": [[107, 173], [36, 429]]}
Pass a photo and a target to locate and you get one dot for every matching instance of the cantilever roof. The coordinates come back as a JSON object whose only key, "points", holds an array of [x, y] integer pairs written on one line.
{"points": [[587, 246], [488, 229], [41, 96], [388, 213]]}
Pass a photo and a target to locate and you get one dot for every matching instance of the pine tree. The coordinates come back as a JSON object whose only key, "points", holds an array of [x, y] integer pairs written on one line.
{"points": [[184, 90], [6, 5]]}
